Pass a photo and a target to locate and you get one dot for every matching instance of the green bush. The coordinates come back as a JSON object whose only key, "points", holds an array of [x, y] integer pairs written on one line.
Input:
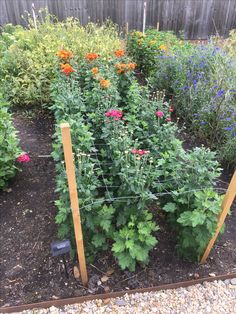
{"points": [[127, 158], [9, 150], [145, 49], [28, 56], [202, 80]]}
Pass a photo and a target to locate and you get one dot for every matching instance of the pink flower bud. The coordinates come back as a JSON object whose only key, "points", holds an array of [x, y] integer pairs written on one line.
{"points": [[159, 114], [23, 158]]}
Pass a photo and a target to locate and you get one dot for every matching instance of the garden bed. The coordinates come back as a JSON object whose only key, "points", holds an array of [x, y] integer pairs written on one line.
{"points": [[28, 271]]}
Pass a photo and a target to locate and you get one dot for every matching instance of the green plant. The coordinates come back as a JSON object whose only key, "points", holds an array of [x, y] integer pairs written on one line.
{"points": [[127, 157], [28, 56], [9, 149], [147, 48], [134, 241]]}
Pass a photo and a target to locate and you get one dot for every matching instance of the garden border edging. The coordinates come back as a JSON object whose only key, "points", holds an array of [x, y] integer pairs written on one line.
{"points": [[74, 300]]}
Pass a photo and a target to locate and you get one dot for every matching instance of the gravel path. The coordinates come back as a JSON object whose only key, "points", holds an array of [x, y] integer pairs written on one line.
{"points": [[218, 297]]}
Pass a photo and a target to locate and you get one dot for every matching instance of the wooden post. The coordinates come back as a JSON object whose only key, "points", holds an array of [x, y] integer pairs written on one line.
{"points": [[226, 204], [34, 17], [126, 29], [158, 26], [70, 171], [144, 16]]}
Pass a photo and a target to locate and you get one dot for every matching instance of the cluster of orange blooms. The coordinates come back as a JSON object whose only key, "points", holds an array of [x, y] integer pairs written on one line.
{"points": [[91, 56], [123, 67], [64, 54], [119, 53], [67, 69], [104, 83]]}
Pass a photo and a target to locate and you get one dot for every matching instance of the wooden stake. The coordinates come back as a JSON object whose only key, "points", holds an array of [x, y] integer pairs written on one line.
{"points": [[158, 26], [34, 17], [226, 204], [74, 202], [144, 16], [126, 29]]}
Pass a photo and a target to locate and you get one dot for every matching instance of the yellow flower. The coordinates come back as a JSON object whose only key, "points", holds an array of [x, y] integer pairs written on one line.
{"points": [[163, 48]]}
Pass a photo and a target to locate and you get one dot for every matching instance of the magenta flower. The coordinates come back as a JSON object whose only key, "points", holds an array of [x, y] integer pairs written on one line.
{"points": [[168, 119], [159, 114], [24, 157], [115, 114], [139, 152]]}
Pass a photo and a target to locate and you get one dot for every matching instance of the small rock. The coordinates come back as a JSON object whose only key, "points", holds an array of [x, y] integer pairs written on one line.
{"points": [[104, 278], [233, 281], [16, 270], [120, 302], [232, 286], [196, 275], [106, 301], [110, 271], [54, 297], [106, 289], [212, 275], [99, 282], [76, 272]]}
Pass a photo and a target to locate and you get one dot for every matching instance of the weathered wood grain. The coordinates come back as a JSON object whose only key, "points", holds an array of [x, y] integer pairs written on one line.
{"points": [[196, 18]]}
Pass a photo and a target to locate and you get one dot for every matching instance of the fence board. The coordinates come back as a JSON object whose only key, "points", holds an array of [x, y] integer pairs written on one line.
{"points": [[197, 18]]}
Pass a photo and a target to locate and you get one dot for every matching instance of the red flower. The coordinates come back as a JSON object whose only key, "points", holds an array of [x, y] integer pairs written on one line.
{"points": [[67, 69], [139, 152], [91, 56], [23, 158], [171, 109], [168, 119], [159, 114]]}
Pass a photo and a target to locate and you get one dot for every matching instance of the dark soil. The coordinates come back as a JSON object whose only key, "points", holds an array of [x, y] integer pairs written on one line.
{"points": [[28, 271]]}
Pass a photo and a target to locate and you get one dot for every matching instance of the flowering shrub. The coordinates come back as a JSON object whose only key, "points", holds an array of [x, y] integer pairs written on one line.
{"points": [[28, 58], [127, 157], [9, 150], [202, 79], [146, 48]]}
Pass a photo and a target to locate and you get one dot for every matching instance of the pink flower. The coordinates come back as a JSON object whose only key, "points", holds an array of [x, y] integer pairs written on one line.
{"points": [[168, 119], [141, 152], [159, 114], [171, 109], [23, 158], [115, 114]]}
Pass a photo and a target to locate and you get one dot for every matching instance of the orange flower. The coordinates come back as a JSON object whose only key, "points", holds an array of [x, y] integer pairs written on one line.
{"points": [[119, 53], [94, 71], [132, 66], [91, 56], [105, 83], [163, 48], [67, 69], [121, 67], [64, 54]]}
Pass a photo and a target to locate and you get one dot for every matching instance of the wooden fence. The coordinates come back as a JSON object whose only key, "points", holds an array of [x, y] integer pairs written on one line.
{"points": [[196, 18]]}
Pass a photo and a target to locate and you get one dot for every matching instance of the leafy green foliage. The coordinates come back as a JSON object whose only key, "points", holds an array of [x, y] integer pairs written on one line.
{"points": [[146, 49], [28, 57], [127, 157], [134, 241], [9, 150]]}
